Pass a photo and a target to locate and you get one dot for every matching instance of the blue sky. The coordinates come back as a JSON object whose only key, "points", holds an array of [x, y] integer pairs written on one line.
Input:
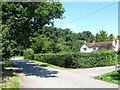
{"points": [[105, 19]]}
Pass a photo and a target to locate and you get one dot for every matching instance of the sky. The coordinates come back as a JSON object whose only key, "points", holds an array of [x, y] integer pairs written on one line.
{"points": [[90, 16]]}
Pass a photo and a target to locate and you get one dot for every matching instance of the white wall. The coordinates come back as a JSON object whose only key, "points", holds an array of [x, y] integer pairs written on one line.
{"points": [[97, 48], [116, 45], [87, 49]]}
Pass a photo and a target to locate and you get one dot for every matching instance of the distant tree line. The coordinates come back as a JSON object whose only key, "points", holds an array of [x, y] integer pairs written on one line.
{"points": [[52, 39]]}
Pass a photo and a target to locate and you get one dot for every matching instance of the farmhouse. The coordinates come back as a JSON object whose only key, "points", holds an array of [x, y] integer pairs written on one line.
{"points": [[92, 47]]}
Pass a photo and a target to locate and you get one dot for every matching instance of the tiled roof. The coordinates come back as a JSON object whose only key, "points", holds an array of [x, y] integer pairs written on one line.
{"points": [[100, 44]]}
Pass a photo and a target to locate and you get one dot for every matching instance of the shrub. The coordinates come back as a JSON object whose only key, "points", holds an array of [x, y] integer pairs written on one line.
{"points": [[78, 59], [5, 63], [28, 54]]}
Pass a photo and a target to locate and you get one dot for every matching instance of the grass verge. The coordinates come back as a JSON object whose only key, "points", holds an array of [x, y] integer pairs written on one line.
{"points": [[112, 77], [21, 57], [43, 64], [48, 65], [10, 83], [10, 78]]}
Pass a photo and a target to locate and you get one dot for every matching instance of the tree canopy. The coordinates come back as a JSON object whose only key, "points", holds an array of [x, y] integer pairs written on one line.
{"points": [[25, 25], [21, 19]]}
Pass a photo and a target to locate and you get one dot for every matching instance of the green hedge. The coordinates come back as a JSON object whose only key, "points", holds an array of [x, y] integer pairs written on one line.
{"points": [[79, 60], [28, 54]]}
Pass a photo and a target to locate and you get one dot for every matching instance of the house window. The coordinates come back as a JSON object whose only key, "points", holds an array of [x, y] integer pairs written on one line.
{"points": [[94, 48], [85, 49]]}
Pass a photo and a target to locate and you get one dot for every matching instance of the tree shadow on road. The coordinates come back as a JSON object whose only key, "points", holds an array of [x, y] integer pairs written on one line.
{"points": [[32, 69]]}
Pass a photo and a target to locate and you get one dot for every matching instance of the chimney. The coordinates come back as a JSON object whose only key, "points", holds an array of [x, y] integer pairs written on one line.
{"points": [[84, 41], [93, 42], [114, 42]]}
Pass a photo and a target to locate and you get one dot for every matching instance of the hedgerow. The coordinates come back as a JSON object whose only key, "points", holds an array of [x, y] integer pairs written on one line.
{"points": [[78, 59], [28, 54]]}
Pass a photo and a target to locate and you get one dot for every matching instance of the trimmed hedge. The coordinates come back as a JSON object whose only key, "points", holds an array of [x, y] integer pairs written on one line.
{"points": [[28, 54], [78, 59]]}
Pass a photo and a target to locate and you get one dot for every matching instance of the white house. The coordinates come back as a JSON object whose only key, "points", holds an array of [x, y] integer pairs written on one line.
{"points": [[92, 47], [116, 44]]}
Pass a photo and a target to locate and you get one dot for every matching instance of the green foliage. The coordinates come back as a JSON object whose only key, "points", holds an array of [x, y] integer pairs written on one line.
{"points": [[78, 60], [103, 50], [76, 45], [21, 19], [52, 39], [112, 77], [5, 63], [38, 45], [11, 83], [10, 79], [24, 26], [102, 36], [111, 37], [28, 54], [87, 35]]}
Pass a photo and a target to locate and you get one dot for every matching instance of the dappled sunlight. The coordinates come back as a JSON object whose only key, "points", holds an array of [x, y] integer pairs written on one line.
{"points": [[31, 69]]}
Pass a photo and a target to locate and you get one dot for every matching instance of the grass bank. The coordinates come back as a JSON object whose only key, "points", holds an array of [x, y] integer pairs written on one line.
{"points": [[10, 78], [48, 65], [112, 77]]}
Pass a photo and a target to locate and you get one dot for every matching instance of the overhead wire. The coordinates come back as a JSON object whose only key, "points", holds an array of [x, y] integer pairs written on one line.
{"points": [[98, 10]]}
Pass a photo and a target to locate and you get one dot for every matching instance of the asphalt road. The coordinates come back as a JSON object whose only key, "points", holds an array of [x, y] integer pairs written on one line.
{"points": [[35, 76]]}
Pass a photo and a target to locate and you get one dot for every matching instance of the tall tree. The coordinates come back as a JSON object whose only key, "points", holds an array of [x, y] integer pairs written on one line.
{"points": [[22, 19], [88, 36], [97, 37], [111, 37], [102, 36]]}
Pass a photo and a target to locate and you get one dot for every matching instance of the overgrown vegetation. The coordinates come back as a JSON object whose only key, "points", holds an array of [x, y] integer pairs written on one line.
{"points": [[28, 54], [112, 77], [12, 82], [10, 78], [78, 60]]}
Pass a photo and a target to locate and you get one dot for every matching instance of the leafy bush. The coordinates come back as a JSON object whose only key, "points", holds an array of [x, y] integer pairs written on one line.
{"points": [[5, 63], [78, 60], [103, 49], [28, 54]]}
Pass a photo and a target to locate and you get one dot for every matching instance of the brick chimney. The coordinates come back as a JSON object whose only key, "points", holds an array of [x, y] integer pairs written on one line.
{"points": [[93, 42], [84, 41]]}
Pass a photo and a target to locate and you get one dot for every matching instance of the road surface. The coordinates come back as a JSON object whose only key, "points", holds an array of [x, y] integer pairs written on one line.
{"points": [[36, 76]]}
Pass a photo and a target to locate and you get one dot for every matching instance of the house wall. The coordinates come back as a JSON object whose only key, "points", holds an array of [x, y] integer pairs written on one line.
{"points": [[82, 49], [88, 49], [116, 45], [97, 48]]}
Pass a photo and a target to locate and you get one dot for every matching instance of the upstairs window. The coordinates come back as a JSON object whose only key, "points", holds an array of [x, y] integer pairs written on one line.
{"points": [[94, 48], [85, 49]]}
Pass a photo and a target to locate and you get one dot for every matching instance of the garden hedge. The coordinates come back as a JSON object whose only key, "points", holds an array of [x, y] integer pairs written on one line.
{"points": [[28, 54], [78, 59]]}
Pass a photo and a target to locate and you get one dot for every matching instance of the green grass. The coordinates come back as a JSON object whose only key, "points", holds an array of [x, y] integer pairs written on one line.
{"points": [[112, 77], [10, 78], [48, 65], [12, 82], [21, 57]]}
